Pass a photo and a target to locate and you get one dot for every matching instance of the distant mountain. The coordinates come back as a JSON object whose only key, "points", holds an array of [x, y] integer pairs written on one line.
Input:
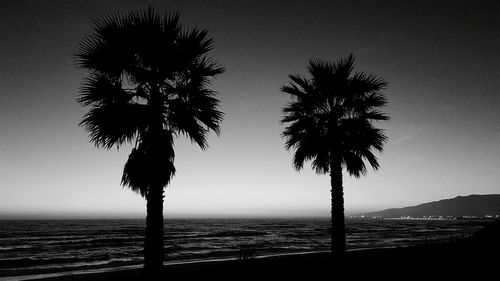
{"points": [[461, 206]]}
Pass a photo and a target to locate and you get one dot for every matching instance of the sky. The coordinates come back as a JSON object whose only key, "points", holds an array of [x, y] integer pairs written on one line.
{"points": [[440, 58]]}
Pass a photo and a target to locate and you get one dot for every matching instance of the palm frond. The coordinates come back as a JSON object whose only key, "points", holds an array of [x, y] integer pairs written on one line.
{"points": [[354, 164], [107, 51], [344, 67], [194, 114], [115, 123], [100, 90], [195, 43], [151, 162], [199, 73]]}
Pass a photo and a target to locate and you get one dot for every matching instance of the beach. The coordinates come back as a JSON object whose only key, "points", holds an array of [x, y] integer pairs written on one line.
{"points": [[444, 260], [476, 254], [47, 248]]}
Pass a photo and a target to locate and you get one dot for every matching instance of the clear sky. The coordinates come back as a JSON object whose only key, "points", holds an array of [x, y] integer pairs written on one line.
{"points": [[440, 57]]}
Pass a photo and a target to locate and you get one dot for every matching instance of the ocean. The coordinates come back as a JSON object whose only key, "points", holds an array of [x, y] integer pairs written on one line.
{"points": [[41, 247]]}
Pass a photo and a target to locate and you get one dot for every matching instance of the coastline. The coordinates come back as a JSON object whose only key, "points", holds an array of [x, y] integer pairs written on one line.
{"points": [[475, 254], [138, 266], [439, 260]]}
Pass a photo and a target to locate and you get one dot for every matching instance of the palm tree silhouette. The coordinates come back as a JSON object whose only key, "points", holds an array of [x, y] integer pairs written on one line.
{"points": [[330, 122], [147, 84]]}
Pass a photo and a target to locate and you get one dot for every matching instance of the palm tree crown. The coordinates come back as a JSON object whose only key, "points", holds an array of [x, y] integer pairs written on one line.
{"points": [[147, 83], [331, 115]]}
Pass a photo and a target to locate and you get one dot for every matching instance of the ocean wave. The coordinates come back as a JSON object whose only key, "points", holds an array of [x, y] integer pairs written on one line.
{"points": [[200, 254], [284, 249], [235, 233], [10, 248], [303, 235], [99, 240], [30, 262]]}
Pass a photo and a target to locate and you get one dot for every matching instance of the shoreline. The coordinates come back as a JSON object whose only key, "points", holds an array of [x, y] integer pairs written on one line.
{"points": [[105, 270], [82, 271], [138, 266], [441, 259], [472, 254]]}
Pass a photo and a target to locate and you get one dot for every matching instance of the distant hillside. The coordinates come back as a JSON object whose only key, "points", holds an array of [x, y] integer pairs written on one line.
{"points": [[461, 206]]}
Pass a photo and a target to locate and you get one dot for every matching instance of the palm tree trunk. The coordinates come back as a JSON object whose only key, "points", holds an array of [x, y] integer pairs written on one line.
{"points": [[153, 245], [338, 233]]}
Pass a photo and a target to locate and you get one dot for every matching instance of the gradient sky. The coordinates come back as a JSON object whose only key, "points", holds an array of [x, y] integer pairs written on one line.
{"points": [[440, 57]]}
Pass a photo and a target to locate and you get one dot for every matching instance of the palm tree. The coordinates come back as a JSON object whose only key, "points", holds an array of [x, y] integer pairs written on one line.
{"points": [[147, 84], [330, 122]]}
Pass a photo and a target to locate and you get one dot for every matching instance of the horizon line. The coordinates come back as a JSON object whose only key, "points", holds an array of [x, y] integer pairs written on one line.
{"points": [[6, 218]]}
